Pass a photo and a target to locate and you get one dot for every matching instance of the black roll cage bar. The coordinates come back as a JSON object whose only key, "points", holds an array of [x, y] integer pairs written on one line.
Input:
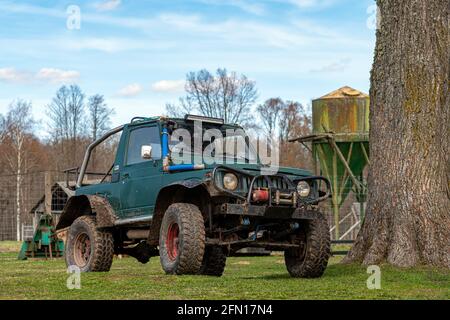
{"points": [[87, 155]]}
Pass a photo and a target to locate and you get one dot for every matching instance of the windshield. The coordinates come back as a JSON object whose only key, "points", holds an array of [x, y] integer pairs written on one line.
{"points": [[214, 145]]}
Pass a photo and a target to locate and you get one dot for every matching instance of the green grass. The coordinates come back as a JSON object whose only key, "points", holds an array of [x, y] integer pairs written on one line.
{"points": [[10, 246], [244, 278]]}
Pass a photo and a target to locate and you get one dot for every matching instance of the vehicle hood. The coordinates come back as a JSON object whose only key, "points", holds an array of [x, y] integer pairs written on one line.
{"points": [[255, 169]]}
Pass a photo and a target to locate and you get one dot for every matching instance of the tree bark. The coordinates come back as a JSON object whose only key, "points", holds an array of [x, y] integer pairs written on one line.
{"points": [[408, 209]]}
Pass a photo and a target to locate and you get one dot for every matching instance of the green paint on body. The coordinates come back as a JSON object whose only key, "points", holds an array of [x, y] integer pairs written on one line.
{"points": [[134, 188]]}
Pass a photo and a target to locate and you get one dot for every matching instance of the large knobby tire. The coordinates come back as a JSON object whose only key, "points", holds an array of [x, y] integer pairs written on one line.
{"points": [[182, 239], [214, 261], [311, 260], [88, 248]]}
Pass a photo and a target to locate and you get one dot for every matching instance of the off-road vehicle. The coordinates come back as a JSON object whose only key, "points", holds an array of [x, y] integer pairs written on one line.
{"points": [[193, 215]]}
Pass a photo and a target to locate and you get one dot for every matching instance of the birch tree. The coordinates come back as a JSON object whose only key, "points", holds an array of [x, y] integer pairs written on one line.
{"points": [[99, 121], [67, 122], [18, 125]]}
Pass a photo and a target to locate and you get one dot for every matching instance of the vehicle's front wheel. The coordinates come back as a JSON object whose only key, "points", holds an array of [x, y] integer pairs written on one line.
{"points": [[88, 248], [311, 259], [182, 239], [214, 261]]}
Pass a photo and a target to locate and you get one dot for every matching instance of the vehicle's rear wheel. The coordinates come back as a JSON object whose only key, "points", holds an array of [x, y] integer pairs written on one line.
{"points": [[182, 239], [214, 261], [311, 259], [88, 248]]}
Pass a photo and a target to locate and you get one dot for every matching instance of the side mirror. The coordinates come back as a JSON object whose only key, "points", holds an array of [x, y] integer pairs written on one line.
{"points": [[146, 152]]}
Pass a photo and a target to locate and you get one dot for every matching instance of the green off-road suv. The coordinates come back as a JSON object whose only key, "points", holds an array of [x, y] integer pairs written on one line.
{"points": [[193, 214]]}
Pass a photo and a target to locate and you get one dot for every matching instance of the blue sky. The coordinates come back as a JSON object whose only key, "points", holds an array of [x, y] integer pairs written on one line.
{"points": [[137, 53]]}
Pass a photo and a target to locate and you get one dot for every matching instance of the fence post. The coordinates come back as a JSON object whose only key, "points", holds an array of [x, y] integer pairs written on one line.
{"points": [[48, 193]]}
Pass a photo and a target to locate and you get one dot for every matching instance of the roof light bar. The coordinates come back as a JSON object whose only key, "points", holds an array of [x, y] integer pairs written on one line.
{"points": [[190, 117]]}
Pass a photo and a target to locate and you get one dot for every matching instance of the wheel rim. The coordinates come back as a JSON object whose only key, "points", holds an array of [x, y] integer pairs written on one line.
{"points": [[172, 241], [82, 249]]}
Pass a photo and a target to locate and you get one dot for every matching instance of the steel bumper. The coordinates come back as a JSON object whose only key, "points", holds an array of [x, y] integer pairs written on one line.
{"points": [[269, 212]]}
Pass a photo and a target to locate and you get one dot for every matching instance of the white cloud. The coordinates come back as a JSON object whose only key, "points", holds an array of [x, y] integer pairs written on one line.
{"points": [[107, 5], [337, 66], [311, 3], [13, 75], [57, 76], [234, 31], [245, 5], [99, 44], [304, 3], [130, 90], [250, 7], [169, 86], [113, 45], [242, 33], [31, 9], [182, 21], [46, 75]]}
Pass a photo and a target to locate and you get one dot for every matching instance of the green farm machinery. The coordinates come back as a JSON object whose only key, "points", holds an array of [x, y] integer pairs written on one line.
{"points": [[41, 240], [44, 243]]}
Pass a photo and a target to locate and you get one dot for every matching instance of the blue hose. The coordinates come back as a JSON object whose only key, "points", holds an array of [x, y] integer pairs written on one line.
{"points": [[165, 142], [185, 167], [165, 155]]}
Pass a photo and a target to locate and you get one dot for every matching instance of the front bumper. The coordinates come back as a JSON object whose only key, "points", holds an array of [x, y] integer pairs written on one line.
{"points": [[280, 191], [268, 212]]}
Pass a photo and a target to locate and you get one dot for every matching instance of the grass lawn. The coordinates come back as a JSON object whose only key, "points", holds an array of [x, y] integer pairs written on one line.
{"points": [[244, 278], [9, 246]]}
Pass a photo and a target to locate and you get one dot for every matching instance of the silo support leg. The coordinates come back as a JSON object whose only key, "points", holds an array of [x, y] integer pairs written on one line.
{"points": [[336, 219], [346, 166], [335, 199]]}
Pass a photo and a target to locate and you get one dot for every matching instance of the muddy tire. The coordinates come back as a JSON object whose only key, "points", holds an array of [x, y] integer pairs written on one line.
{"points": [[182, 239], [311, 260], [214, 261], [88, 248]]}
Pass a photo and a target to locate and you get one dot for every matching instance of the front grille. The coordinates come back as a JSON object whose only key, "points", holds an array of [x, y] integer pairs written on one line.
{"points": [[277, 182]]}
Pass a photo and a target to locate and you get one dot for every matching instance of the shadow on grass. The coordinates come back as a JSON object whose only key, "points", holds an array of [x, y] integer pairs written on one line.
{"points": [[334, 271]]}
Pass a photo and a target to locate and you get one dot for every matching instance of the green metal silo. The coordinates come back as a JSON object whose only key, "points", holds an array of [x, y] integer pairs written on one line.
{"points": [[340, 144]]}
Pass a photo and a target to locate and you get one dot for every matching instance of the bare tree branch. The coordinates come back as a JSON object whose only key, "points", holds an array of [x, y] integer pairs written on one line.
{"points": [[99, 116], [67, 121], [225, 95]]}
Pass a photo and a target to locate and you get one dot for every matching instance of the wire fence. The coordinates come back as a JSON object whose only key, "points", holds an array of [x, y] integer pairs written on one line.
{"points": [[20, 196], [346, 225], [22, 201]]}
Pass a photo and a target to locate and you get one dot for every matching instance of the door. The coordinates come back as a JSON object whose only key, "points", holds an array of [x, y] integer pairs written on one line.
{"points": [[140, 177]]}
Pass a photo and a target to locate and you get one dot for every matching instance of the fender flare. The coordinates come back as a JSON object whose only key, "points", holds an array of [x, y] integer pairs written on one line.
{"points": [[78, 206], [165, 197]]}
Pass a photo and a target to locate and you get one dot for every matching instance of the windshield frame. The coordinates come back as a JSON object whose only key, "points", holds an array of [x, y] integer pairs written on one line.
{"points": [[251, 154]]}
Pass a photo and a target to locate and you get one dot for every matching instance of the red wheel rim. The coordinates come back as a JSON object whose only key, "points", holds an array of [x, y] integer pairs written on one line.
{"points": [[82, 249], [172, 241]]}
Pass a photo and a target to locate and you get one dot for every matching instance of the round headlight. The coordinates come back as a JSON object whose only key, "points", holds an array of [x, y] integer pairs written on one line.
{"points": [[230, 181], [303, 188]]}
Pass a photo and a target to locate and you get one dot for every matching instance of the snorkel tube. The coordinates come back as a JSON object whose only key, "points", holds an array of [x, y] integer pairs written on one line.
{"points": [[167, 167]]}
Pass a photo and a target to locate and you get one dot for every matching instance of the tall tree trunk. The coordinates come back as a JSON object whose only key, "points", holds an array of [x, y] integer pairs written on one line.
{"points": [[94, 138], [18, 195], [408, 210]]}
